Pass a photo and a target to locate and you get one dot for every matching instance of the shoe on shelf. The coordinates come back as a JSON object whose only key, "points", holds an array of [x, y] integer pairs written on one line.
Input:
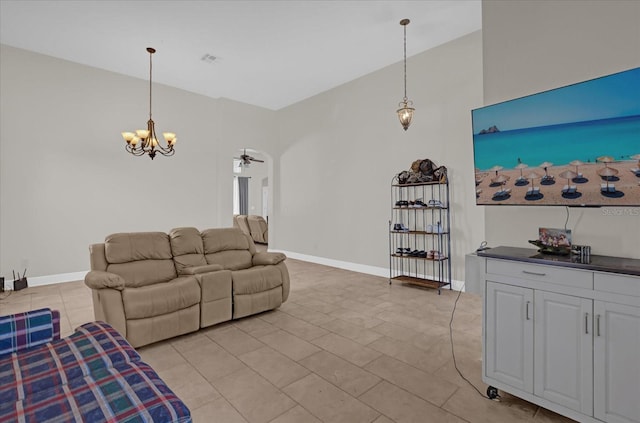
{"points": [[420, 203], [402, 203], [400, 227], [430, 254], [435, 203], [422, 254]]}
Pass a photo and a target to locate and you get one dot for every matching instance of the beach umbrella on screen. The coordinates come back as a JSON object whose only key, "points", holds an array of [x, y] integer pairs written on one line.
{"points": [[522, 166], [495, 169], [568, 175], [546, 165], [606, 172], [576, 163], [533, 192], [532, 176], [500, 179], [606, 160]]}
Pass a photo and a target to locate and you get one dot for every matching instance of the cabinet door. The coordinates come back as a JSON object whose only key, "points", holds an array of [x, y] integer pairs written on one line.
{"points": [[616, 362], [509, 335], [564, 350]]}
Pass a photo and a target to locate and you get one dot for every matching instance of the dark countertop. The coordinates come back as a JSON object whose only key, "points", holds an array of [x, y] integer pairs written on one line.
{"points": [[622, 265]]}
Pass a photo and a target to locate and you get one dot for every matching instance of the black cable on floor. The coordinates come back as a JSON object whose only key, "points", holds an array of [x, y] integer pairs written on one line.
{"points": [[453, 354]]}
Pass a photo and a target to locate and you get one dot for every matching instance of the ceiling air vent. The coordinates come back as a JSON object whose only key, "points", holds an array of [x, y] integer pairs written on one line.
{"points": [[209, 58]]}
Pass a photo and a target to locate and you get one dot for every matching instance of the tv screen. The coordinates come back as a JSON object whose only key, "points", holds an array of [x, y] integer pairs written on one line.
{"points": [[577, 145]]}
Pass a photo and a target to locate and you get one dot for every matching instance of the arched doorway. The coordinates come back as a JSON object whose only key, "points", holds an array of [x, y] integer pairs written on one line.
{"points": [[251, 192]]}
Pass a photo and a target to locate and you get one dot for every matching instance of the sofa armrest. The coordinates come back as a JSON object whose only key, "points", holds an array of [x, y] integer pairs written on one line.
{"points": [[263, 259], [28, 329], [97, 279], [197, 270]]}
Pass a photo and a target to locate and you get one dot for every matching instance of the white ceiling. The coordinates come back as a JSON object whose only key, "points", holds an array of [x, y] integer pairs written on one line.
{"points": [[269, 53]]}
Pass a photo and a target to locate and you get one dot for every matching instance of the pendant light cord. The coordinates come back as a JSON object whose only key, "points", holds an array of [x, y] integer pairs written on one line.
{"points": [[150, 67], [405, 63]]}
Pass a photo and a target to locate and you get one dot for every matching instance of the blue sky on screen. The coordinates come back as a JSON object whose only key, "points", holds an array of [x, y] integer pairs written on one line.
{"points": [[612, 96]]}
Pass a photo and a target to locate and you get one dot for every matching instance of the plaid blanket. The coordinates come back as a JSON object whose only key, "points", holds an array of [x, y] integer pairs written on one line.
{"points": [[92, 376], [29, 329]]}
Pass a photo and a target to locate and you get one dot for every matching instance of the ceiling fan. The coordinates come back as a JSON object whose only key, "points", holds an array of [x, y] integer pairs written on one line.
{"points": [[245, 159]]}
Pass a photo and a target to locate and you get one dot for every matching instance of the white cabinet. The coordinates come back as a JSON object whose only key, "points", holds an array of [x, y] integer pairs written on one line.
{"points": [[617, 362], [509, 335], [565, 339], [563, 350]]}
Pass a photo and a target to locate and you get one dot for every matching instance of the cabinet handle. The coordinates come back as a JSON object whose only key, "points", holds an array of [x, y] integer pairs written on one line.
{"points": [[527, 310], [534, 273], [586, 323], [597, 325]]}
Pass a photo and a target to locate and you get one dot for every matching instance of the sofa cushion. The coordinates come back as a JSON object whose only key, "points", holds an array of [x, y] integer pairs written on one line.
{"points": [[228, 247], [126, 247], [144, 272], [140, 258], [231, 260], [187, 248], [161, 298], [224, 239], [256, 279]]}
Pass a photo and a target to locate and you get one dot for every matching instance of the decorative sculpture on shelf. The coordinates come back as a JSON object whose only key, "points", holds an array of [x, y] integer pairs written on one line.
{"points": [[423, 170]]}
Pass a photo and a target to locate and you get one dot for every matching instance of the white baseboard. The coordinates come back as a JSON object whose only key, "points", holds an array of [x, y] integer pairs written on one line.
{"points": [[48, 279], [355, 267]]}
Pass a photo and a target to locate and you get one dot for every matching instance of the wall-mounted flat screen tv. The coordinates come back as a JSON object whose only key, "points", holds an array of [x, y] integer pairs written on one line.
{"points": [[577, 145]]}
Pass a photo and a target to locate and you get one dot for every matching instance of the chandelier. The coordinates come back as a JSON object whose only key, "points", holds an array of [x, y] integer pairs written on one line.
{"points": [[144, 141], [405, 112]]}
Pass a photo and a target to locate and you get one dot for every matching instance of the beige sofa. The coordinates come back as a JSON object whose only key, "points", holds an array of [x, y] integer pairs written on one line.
{"points": [[152, 286], [253, 225]]}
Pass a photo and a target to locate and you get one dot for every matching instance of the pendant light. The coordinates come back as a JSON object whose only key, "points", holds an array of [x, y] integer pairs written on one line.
{"points": [[405, 112]]}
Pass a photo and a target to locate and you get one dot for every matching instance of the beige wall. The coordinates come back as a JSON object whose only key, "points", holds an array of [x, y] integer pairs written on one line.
{"points": [[341, 148], [532, 46], [66, 181]]}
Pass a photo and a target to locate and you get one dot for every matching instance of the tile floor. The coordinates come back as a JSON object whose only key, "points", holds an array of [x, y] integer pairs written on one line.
{"points": [[345, 347]]}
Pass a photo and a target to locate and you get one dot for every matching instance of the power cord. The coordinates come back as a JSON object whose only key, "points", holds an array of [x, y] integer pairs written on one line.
{"points": [[566, 221], [453, 353]]}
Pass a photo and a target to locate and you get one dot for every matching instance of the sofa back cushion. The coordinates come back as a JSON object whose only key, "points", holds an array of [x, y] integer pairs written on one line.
{"points": [[140, 258], [228, 247], [187, 248]]}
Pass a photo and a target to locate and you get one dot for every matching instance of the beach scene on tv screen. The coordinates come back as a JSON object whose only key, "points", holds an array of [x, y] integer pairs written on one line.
{"points": [[575, 145]]}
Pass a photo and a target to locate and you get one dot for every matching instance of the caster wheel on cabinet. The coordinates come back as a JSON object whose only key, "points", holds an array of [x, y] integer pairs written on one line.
{"points": [[492, 392]]}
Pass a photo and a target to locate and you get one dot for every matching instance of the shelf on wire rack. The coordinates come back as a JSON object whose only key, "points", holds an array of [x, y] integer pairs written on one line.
{"points": [[427, 283]]}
